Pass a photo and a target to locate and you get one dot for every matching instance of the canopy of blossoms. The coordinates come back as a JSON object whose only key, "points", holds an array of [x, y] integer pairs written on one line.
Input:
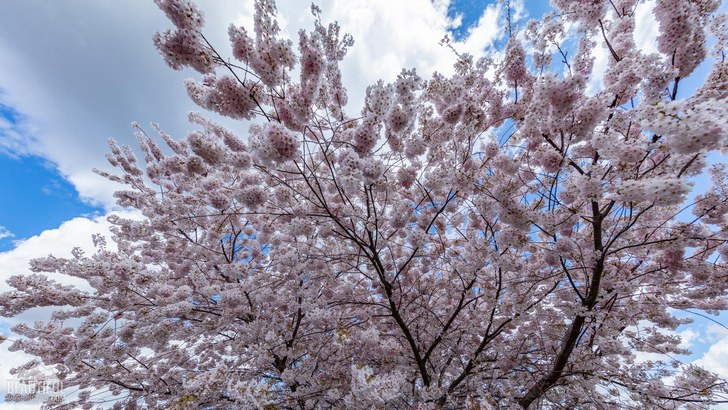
{"points": [[397, 255]]}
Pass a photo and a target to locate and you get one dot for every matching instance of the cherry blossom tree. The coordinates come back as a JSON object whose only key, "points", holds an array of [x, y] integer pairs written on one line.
{"points": [[496, 238]]}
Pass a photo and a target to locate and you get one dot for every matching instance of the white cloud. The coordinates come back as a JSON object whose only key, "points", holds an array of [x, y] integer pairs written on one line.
{"points": [[646, 27], [486, 32], [601, 60], [389, 36], [518, 10], [15, 137], [688, 338], [5, 233], [715, 358], [58, 242]]}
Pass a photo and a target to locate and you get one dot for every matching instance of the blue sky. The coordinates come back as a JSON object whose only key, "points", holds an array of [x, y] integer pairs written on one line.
{"points": [[65, 88], [469, 11]]}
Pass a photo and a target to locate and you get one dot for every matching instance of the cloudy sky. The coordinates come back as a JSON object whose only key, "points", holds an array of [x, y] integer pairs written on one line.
{"points": [[75, 72]]}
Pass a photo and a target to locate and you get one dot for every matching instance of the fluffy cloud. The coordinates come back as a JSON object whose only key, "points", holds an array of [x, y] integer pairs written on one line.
{"points": [[15, 138], [646, 27], [5, 233], [715, 358]]}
